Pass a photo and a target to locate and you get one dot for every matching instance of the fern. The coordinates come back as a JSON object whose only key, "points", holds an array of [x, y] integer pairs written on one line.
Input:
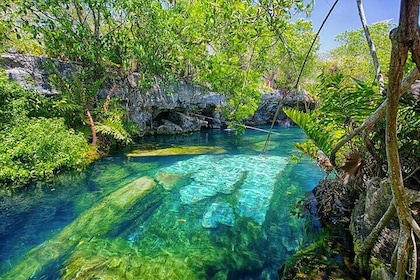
{"points": [[322, 137], [115, 129]]}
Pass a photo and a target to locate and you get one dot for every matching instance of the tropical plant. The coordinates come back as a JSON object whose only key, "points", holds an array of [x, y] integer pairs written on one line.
{"points": [[353, 57], [345, 101], [323, 137], [33, 147], [79, 106], [404, 261], [38, 148]]}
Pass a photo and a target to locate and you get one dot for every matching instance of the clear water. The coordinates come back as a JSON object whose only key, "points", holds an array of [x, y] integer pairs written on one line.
{"points": [[224, 215]]}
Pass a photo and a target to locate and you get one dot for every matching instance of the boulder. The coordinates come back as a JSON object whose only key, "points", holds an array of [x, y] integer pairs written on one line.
{"points": [[285, 98], [169, 128], [167, 180]]}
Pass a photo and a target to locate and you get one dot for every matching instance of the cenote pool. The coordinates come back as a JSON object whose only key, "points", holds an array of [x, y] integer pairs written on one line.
{"points": [[208, 205]]}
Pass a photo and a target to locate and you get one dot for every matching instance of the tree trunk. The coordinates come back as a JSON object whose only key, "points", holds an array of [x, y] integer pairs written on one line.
{"points": [[378, 74], [401, 38], [92, 128]]}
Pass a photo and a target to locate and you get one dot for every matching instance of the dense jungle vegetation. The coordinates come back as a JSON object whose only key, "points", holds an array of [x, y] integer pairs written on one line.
{"points": [[365, 121], [227, 47]]}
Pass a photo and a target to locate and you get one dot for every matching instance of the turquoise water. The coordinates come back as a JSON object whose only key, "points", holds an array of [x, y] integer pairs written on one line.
{"points": [[220, 210]]}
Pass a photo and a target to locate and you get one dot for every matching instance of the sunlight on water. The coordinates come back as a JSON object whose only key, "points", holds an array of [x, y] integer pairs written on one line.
{"points": [[221, 214], [249, 178]]}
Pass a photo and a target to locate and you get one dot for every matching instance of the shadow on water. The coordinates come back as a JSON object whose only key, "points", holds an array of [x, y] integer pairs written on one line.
{"points": [[220, 213]]}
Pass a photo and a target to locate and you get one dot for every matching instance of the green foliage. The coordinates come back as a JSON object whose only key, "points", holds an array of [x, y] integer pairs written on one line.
{"points": [[12, 37], [79, 95], [37, 148], [343, 104], [323, 137], [15, 102], [33, 147], [352, 57], [345, 101], [229, 47], [290, 55], [408, 136]]}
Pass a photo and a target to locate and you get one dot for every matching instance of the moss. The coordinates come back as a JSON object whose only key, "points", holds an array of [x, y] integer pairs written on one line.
{"points": [[259, 146], [167, 180], [180, 150], [114, 174]]}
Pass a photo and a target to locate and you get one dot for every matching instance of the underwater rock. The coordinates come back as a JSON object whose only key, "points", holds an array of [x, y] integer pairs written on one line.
{"points": [[181, 150], [254, 202], [248, 179], [195, 192], [93, 223], [167, 180], [169, 128], [210, 182], [218, 213]]}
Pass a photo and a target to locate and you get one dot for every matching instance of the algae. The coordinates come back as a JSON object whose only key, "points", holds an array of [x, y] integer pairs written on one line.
{"points": [[93, 223], [168, 180], [259, 146], [180, 150], [115, 259]]}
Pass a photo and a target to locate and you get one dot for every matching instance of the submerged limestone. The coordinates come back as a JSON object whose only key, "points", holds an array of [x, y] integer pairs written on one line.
{"points": [[167, 180], [181, 150], [218, 213], [247, 181], [93, 223]]}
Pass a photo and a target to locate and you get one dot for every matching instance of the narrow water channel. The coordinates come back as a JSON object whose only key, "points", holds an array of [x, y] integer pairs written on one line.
{"points": [[208, 205]]}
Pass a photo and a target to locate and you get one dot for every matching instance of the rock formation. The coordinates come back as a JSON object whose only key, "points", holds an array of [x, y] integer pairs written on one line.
{"points": [[164, 108]]}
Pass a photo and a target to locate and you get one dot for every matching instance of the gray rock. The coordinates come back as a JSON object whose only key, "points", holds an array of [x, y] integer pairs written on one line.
{"points": [[187, 107], [367, 212], [33, 72], [270, 101], [169, 128]]}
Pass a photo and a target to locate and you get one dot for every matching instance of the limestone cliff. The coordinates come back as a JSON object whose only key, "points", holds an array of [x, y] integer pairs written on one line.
{"points": [[164, 108]]}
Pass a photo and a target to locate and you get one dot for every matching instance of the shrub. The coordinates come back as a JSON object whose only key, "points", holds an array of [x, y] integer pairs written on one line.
{"points": [[38, 148]]}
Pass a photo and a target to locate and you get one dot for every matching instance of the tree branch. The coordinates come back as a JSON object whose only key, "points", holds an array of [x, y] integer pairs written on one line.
{"points": [[401, 38], [375, 116], [414, 225], [373, 236], [378, 74], [413, 257]]}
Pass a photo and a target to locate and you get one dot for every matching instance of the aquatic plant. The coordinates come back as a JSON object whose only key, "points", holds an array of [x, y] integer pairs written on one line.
{"points": [[180, 150], [93, 223]]}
